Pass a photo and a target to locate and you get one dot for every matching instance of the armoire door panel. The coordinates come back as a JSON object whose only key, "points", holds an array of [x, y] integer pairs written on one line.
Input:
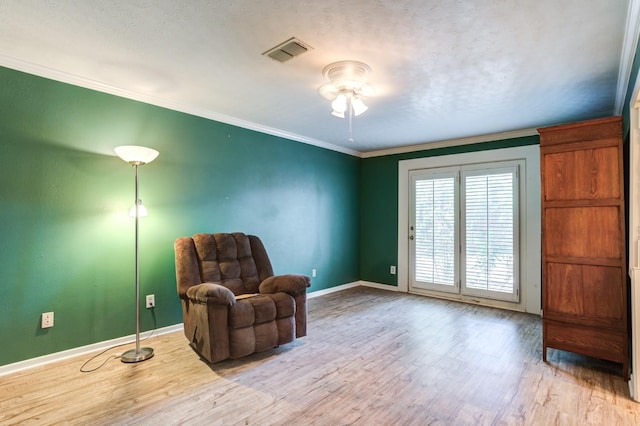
{"points": [[567, 232], [582, 175], [589, 292], [563, 289], [602, 295]]}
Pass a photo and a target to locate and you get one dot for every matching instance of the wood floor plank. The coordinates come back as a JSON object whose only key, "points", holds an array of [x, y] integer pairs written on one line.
{"points": [[372, 357]]}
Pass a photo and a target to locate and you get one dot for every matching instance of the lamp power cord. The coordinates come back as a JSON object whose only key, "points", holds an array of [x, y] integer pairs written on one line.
{"points": [[116, 356]]}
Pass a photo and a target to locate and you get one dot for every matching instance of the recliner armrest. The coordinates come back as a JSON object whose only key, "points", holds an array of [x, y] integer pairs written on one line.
{"points": [[211, 293], [292, 284]]}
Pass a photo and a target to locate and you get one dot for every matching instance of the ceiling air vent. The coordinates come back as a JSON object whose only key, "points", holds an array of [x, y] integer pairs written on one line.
{"points": [[287, 50]]}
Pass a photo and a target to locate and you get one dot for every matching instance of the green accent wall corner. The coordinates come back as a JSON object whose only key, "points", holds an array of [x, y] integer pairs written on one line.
{"points": [[67, 242]]}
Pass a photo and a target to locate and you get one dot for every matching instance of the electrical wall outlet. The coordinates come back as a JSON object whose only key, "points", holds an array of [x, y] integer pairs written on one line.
{"points": [[392, 269], [47, 320], [151, 301], [313, 272]]}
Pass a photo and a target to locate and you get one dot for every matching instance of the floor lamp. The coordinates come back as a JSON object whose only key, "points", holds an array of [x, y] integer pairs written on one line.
{"points": [[137, 156]]}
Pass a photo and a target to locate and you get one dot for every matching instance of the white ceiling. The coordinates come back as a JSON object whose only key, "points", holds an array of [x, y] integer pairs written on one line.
{"points": [[441, 69]]}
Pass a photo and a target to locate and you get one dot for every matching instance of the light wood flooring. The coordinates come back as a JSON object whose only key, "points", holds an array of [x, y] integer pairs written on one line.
{"points": [[372, 357]]}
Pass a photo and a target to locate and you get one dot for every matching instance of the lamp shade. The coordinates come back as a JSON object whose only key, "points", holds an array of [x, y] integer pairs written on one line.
{"points": [[136, 154]]}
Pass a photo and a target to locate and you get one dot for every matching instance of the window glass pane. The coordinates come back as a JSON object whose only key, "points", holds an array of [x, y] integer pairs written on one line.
{"points": [[489, 230], [435, 231]]}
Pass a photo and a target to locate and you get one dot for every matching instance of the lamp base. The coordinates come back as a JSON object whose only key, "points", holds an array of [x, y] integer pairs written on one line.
{"points": [[137, 356]]}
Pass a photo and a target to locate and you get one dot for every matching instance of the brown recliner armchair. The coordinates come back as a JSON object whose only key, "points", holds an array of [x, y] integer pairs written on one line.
{"points": [[232, 304]]}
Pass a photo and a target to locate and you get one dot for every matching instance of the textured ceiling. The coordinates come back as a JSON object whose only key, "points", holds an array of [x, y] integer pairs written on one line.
{"points": [[441, 69]]}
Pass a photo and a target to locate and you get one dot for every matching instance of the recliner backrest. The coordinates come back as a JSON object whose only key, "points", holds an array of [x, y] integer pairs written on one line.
{"points": [[237, 261]]}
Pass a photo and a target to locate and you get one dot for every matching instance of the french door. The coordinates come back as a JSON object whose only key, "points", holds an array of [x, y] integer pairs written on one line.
{"points": [[463, 230]]}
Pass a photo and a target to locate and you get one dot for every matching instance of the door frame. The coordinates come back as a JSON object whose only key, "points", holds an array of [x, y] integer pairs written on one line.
{"points": [[530, 220], [633, 197]]}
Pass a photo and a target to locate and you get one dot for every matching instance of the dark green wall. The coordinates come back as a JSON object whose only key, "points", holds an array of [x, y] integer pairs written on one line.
{"points": [[67, 243], [379, 205]]}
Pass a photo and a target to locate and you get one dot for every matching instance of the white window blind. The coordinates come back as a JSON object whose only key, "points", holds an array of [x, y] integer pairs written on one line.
{"points": [[435, 231], [490, 232]]}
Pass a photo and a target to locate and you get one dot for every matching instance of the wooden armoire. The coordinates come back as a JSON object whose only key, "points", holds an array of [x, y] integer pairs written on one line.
{"points": [[584, 291]]}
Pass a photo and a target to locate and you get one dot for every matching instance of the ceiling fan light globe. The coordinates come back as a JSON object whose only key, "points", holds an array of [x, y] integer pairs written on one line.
{"points": [[358, 106], [339, 104]]}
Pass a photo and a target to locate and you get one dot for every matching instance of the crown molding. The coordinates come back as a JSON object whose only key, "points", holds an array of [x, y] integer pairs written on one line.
{"points": [[87, 83], [453, 142], [629, 45]]}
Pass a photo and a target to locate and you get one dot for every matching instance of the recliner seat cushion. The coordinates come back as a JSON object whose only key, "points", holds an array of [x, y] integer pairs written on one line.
{"points": [[241, 314], [264, 309], [260, 309], [284, 303]]}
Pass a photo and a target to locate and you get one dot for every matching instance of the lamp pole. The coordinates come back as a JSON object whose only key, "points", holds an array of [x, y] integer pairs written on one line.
{"points": [[137, 267], [137, 156], [139, 354]]}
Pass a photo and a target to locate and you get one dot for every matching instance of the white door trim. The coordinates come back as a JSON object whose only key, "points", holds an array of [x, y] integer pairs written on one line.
{"points": [[633, 198], [530, 241]]}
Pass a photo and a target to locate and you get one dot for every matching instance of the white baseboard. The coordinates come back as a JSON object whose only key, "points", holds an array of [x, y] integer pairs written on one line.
{"points": [[351, 285], [59, 356], [332, 289], [379, 286]]}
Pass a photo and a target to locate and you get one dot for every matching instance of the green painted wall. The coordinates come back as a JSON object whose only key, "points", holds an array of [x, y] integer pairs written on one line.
{"points": [[67, 243], [379, 206]]}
